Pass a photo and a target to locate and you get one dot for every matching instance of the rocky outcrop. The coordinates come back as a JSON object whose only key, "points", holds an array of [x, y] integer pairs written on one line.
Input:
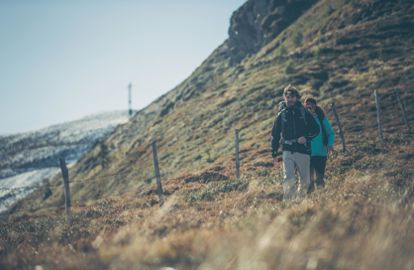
{"points": [[259, 21]]}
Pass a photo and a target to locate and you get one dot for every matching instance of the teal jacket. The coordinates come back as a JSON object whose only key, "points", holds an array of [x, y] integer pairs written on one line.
{"points": [[317, 146]]}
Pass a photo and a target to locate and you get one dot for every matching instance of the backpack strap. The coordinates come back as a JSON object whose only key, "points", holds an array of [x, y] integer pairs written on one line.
{"points": [[283, 113], [321, 116], [303, 113]]}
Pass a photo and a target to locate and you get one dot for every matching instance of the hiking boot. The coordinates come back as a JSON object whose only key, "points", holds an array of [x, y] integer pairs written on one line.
{"points": [[311, 188], [320, 184]]}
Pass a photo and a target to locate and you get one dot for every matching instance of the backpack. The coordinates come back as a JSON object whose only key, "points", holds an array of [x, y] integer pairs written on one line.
{"points": [[321, 116]]}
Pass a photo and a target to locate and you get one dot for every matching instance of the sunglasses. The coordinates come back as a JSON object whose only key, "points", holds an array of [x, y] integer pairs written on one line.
{"points": [[290, 95]]}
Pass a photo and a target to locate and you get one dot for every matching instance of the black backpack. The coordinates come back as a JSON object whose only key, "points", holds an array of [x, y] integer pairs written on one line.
{"points": [[321, 116]]}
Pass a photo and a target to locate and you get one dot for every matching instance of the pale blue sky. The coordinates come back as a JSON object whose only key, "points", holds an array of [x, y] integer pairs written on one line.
{"points": [[62, 60]]}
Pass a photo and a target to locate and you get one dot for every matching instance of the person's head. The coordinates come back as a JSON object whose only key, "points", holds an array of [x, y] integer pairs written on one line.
{"points": [[310, 104], [291, 95]]}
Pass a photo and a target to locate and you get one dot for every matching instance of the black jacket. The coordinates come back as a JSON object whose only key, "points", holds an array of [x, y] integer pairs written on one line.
{"points": [[290, 124]]}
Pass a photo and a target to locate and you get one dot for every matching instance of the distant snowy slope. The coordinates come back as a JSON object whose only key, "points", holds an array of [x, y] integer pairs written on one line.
{"points": [[27, 159], [40, 149], [17, 187]]}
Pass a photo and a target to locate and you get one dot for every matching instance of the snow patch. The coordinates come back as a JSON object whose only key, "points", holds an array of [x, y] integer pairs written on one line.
{"points": [[19, 186], [26, 159]]}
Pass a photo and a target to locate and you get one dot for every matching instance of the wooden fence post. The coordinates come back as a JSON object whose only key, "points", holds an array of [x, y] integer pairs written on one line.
{"points": [[377, 105], [237, 154], [402, 107], [65, 176], [157, 173], [341, 134]]}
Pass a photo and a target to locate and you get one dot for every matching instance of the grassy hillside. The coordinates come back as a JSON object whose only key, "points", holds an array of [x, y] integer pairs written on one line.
{"points": [[335, 50]]}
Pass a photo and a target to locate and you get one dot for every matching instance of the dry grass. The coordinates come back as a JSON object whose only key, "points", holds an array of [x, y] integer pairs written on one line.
{"points": [[362, 220]]}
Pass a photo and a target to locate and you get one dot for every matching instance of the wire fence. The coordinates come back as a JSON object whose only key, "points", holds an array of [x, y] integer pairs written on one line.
{"points": [[70, 182], [157, 174]]}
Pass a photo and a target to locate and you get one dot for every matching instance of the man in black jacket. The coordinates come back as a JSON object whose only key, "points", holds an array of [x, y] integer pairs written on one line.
{"points": [[293, 128]]}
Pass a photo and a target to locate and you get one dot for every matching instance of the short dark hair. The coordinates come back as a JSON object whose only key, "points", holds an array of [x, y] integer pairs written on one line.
{"points": [[290, 89], [310, 100]]}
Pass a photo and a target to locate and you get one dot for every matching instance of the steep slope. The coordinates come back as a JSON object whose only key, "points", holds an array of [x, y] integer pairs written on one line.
{"points": [[335, 50], [342, 55]]}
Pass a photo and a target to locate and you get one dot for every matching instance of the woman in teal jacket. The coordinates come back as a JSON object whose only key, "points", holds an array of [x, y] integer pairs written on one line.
{"points": [[321, 145]]}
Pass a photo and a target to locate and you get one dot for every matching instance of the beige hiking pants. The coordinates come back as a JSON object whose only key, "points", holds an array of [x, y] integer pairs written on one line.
{"points": [[301, 162]]}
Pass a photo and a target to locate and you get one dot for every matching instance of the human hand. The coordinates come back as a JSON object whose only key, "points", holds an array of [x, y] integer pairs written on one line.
{"points": [[276, 160], [302, 140], [330, 150]]}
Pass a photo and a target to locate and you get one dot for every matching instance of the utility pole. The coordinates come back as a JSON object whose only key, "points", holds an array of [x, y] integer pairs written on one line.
{"points": [[130, 99]]}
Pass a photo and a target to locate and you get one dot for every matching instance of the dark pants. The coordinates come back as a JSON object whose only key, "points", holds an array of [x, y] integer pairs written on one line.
{"points": [[317, 168]]}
